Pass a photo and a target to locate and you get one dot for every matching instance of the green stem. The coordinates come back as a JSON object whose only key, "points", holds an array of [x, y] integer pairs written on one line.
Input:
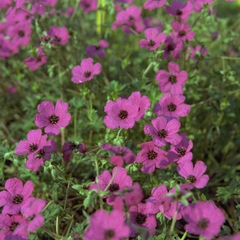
{"points": [[65, 202]]}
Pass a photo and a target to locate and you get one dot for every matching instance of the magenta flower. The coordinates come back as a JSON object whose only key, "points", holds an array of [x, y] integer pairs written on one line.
{"points": [[12, 228], [7, 48], [151, 157], [197, 51], [121, 113], [142, 102], [182, 31], [107, 226], [69, 147], [172, 82], [88, 5], [86, 71], [52, 118], [203, 218], [172, 106], [125, 1], [181, 152], [99, 50], [119, 182], [194, 175], [58, 35], [134, 195], [153, 40], [34, 63], [163, 131], [141, 218], [198, 4], [36, 160], [34, 143], [121, 154], [16, 195], [172, 46], [234, 237], [152, 4]]}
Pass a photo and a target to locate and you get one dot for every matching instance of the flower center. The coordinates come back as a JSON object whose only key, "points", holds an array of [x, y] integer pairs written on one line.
{"points": [[181, 151], [179, 12], [151, 43], [182, 33], [53, 119], [57, 39], [172, 79], [172, 107], [108, 234], [162, 133], [203, 223], [123, 114], [113, 187], [17, 199], [87, 74], [41, 153], [13, 226], [120, 153], [131, 18], [141, 218], [191, 178], [33, 147], [21, 34], [152, 155], [171, 47]]}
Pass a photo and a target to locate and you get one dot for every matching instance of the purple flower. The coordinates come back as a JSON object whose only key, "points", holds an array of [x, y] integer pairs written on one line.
{"points": [[52, 118], [140, 217], [172, 46], [172, 82], [121, 113], [152, 4], [151, 157], [154, 39], [192, 52], [69, 147], [7, 48], [16, 195], [88, 5], [34, 143], [194, 175], [134, 195], [86, 71], [99, 50], [172, 106], [121, 154], [107, 226], [58, 35], [119, 182], [234, 237], [181, 152], [163, 131], [182, 31], [203, 218]]}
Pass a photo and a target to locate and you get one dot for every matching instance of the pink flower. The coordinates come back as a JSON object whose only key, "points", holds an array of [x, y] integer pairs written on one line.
{"points": [[34, 63], [172, 46], [172, 82], [203, 218], [172, 106], [134, 195], [197, 51], [58, 35], [121, 154], [153, 23], [52, 118], [88, 5], [121, 113], [151, 157], [16, 195], [120, 181], [194, 175], [125, 1], [69, 147], [182, 31], [152, 4], [234, 237], [86, 71], [163, 131], [7, 48], [99, 50], [107, 226], [153, 39]]}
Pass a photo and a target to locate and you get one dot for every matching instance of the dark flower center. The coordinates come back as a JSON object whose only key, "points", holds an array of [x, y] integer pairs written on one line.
{"points": [[123, 114], [171, 46], [39, 58], [152, 155], [141, 218], [57, 39], [179, 12], [203, 223], [151, 43], [172, 79], [17, 199], [131, 18], [182, 33], [172, 107], [41, 153], [108, 234], [13, 226], [162, 133], [191, 178], [33, 147], [21, 33], [120, 153], [97, 47], [87, 74], [53, 119], [113, 187], [181, 151]]}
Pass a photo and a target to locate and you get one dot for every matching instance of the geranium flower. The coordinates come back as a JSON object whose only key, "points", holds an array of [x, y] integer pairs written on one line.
{"points": [[172, 46], [99, 50], [52, 118], [182, 31], [152, 4], [58, 35], [86, 71], [88, 5]]}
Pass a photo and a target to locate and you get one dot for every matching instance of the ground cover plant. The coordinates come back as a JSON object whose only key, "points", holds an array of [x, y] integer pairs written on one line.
{"points": [[119, 119]]}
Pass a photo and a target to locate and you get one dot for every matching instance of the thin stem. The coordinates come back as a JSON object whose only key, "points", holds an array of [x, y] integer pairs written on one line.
{"points": [[65, 202]]}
